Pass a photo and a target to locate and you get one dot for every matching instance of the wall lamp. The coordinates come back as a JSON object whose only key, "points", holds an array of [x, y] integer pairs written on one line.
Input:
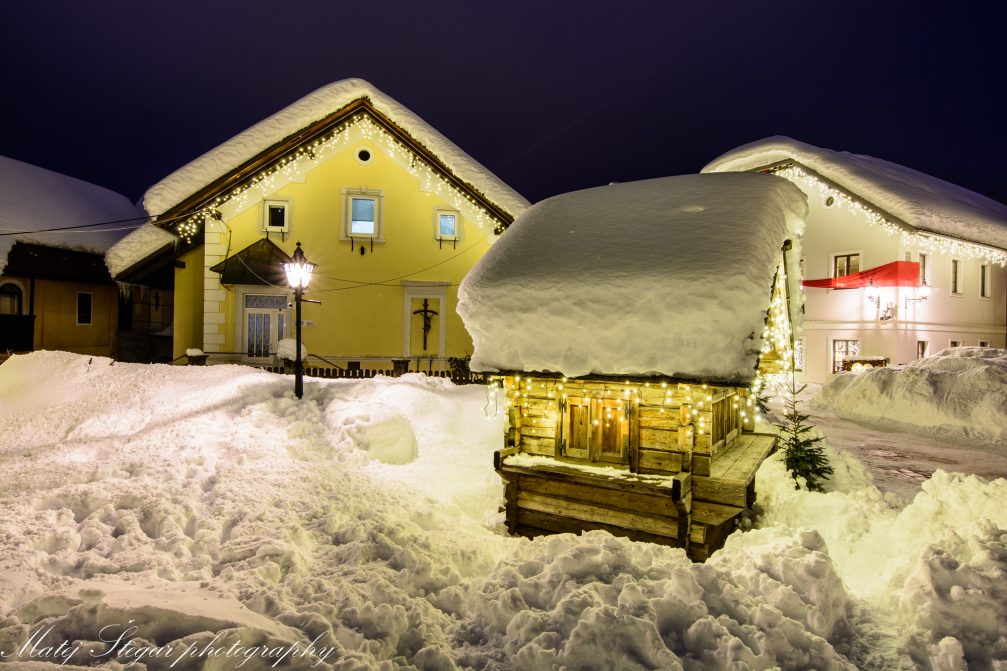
{"points": [[922, 293]]}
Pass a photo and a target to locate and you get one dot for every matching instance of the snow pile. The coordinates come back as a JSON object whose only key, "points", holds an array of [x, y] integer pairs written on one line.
{"points": [[227, 521], [314, 107], [668, 276], [937, 567], [599, 602], [137, 246], [33, 199], [286, 348], [960, 393], [919, 200]]}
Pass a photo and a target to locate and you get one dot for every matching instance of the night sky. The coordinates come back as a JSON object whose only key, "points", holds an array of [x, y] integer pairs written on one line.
{"points": [[551, 96]]}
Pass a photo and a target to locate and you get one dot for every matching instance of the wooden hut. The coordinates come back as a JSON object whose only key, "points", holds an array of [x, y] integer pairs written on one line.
{"points": [[627, 326]]}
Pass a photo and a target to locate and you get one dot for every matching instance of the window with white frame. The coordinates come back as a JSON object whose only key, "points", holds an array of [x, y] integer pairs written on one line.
{"points": [[276, 216], [85, 304], [956, 277], [984, 343], [954, 343], [923, 269], [363, 214], [921, 348], [984, 280], [447, 225]]}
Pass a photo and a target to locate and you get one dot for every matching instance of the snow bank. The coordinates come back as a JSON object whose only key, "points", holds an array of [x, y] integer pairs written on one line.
{"points": [[922, 201], [313, 107], [959, 393], [219, 513], [937, 567], [33, 199], [667, 276]]}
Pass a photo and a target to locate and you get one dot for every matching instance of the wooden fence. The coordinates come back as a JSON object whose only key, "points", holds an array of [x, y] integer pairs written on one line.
{"points": [[466, 377]]}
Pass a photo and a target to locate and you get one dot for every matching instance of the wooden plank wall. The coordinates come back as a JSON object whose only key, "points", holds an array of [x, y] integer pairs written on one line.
{"points": [[541, 502], [668, 428], [672, 427]]}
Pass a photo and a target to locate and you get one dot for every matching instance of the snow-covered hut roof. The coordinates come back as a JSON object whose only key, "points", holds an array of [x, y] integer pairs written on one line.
{"points": [[668, 276], [311, 109], [923, 202], [34, 200]]}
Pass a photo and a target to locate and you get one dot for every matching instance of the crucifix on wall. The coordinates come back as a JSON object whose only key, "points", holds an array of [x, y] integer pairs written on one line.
{"points": [[428, 316]]}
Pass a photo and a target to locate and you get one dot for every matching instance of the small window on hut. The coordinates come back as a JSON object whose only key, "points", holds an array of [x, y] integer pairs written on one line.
{"points": [[595, 430]]}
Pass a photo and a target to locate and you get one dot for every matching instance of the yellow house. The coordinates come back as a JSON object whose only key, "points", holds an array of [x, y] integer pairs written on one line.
{"points": [[55, 291], [392, 213]]}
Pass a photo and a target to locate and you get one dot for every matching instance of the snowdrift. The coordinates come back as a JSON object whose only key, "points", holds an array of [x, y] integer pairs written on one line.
{"points": [[960, 394], [236, 527]]}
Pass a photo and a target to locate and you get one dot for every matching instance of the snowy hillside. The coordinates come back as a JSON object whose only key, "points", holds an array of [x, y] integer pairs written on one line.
{"points": [[196, 518], [959, 393]]}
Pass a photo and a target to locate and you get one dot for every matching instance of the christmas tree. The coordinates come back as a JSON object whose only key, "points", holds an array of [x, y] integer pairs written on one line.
{"points": [[802, 454]]}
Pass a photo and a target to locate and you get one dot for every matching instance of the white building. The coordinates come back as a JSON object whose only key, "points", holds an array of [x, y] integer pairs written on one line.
{"points": [[866, 213]]}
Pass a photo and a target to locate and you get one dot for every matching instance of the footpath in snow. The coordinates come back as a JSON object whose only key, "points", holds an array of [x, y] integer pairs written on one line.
{"points": [[203, 518]]}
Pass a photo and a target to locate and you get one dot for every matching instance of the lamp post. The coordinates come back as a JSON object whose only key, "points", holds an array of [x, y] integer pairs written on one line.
{"points": [[298, 275]]}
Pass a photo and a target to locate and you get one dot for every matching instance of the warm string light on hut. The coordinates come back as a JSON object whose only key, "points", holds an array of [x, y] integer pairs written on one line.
{"points": [[309, 155], [777, 337], [925, 242]]}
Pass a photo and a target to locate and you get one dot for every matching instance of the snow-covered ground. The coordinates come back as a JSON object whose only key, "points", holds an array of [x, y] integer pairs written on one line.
{"points": [[199, 517]]}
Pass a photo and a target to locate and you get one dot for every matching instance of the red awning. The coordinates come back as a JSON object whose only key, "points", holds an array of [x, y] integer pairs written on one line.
{"points": [[894, 274]]}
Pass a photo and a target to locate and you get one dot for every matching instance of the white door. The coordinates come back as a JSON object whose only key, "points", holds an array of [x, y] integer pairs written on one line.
{"points": [[265, 323]]}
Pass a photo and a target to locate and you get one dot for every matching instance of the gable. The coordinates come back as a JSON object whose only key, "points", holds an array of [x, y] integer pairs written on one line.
{"points": [[296, 139]]}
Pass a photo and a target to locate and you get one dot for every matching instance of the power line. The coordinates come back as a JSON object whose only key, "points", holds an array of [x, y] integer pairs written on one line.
{"points": [[74, 229]]}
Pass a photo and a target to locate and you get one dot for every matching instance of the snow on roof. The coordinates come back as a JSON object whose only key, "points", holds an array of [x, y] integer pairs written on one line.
{"points": [[666, 276], [137, 246], [924, 202], [315, 106], [33, 199]]}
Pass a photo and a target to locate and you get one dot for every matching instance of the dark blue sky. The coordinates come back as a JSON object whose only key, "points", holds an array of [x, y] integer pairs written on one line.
{"points": [[550, 95]]}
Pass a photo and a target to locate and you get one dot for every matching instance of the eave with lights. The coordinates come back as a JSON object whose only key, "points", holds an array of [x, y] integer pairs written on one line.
{"points": [[931, 258]]}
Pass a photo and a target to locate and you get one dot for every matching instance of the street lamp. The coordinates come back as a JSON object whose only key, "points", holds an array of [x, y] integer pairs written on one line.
{"points": [[298, 276]]}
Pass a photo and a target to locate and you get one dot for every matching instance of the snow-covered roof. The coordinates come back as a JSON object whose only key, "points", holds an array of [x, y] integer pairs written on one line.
{"points": [[33, 200], [666, 276], [137, 246], [316, 106], [921, 201]]}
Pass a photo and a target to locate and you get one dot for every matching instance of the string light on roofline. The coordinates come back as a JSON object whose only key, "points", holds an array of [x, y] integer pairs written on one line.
{"points": [[313, 153], [926, 242]]}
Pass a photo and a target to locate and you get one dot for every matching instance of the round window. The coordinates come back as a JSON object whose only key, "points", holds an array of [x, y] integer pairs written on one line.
{"points": [[364, 155], [830, 201]]}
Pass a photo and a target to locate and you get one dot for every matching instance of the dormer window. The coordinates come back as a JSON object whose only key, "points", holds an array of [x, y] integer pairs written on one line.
{"points": [[276, 216]]}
